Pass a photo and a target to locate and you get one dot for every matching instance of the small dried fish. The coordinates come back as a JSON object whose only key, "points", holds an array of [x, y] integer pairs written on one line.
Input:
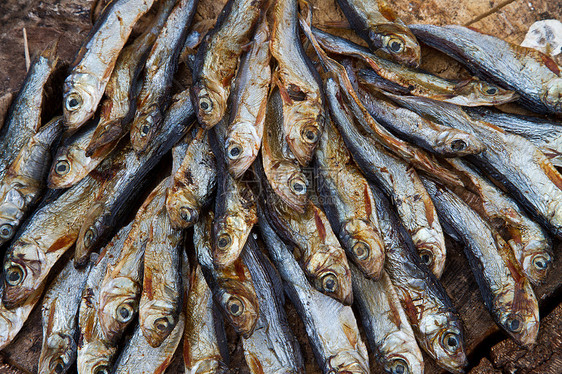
{"points": [[94, 63], [248, 104], [232, 286], [506, 292], [23, 183], [217, 58], [376, 22], [60, 319], [272, 348], [204, 341], [298, 82], [532, 74], [331, 326], [348, 203], [159, 69]]}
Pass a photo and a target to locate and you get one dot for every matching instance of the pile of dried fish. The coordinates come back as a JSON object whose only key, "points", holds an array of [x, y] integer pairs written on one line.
{"points": [[302, 164]]}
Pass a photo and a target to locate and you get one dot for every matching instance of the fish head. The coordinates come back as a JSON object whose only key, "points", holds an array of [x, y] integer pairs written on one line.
{"points": [[69, 166], [157, 319], [445, 340], [330, 273], [144, 128], [455, 143], [396, 42], [95, 357], [11, 212], [553, 95], [209, 365], [290, 184], [485, 93], [365, 245], [349, 362], [516, 311], [57, 354], [209, 99], [24, 271], [118, 306], [536, 262], [399, 356], [239, 303], [80, 99], [430, 245], [242, 149], [183, 208], [229, 237], [305, 132]]}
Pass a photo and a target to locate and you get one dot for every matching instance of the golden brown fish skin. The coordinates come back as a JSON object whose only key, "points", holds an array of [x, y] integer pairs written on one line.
{"points": [[235, 207], [298, 83], [316, 246], [472, 92], [24, 116], [159, 69], [94, 63], [249, 103], [387, 35], [217, 58], [53, 229], [232, 286], [59, 319], [280, 165], [121, 286], [348, 203], [23, 182], [193, 183], [204, 348], [159, 306]]}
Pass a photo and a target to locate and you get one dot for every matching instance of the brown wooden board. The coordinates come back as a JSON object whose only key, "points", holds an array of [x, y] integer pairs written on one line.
{"points": [[490, 350]]}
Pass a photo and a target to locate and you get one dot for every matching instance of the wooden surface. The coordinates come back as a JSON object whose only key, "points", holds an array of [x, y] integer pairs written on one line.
{"points": [[490, 350]]}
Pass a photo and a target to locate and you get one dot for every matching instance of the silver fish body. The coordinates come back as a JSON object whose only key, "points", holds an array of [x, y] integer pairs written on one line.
{"points": [[532, 74], [434, 320], [398, 180], [525, 172], [272, 348], [506, 292], [60, 319], [331, 326], [159, 69], [387, 328], [23, 183], [85, 85]]}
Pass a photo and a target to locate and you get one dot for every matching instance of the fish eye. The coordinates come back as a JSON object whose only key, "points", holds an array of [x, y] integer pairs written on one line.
{"points": [[360, 250], [235, 306], [458, 145], [187, 215], [329, 283], [62, 167], [396, 45], [298, 186], [234, 151], [491, 90], [541, 262], [73, 102], [162, 324], [451, 342], [426, 257], [145, 129], [6, 231], [102, 369], [224, 241], [399, 366], [58, 365], [125, 313], [206, 104], [513, 323], [310, 134], [89, 237], [14, 275]]}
